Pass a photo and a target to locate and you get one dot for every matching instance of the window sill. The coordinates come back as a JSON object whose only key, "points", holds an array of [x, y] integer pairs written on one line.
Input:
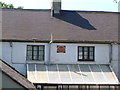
{"points": [[35, 61], [86, 60]]}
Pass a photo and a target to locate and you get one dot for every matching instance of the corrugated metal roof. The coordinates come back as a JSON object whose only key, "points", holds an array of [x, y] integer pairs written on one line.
{"points": [[71, 74]]}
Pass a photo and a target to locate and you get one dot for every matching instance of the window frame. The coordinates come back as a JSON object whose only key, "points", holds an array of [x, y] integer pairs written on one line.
{"points": [[87, 52], [38, 50]]}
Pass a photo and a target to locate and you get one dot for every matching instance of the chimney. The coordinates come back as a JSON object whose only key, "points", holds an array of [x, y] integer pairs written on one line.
{"points": [[56, 7]]}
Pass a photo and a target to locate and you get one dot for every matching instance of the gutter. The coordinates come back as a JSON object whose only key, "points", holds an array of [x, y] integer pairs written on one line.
{"points": [[50, 43], [60, 41], [49, 59], [11, 46]]}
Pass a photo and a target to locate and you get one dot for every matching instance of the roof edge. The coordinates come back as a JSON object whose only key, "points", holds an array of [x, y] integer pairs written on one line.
{"points": [[61, 10], [78, 84]]}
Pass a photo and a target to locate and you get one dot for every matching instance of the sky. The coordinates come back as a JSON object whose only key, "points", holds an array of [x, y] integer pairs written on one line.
{"points": [[89, 5]]}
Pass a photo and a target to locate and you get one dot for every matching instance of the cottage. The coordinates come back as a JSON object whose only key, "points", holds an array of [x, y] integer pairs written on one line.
{"points": [[58, 47]]}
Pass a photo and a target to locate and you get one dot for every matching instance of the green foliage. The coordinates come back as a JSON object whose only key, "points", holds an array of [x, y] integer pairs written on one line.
{"points": [[20, 7], [4, 5], [116, 1]]}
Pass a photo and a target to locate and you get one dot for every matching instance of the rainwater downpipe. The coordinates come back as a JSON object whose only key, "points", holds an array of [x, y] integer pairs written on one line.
{"points": [[110, 53], [11, 45], [49, 59], [50, 43]]}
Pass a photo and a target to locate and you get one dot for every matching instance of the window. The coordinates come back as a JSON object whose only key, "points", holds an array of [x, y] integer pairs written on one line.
{"points": [[85, 53], [35, 52]]}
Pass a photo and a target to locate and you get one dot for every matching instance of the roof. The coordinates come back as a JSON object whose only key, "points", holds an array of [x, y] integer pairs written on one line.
{"points": [[16, 76], [71, 74], [69, 26]]}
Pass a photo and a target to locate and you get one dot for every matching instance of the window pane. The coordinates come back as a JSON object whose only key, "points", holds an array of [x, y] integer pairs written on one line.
{"points": [[35, 57], [80, 57], [29, 47], [80, 53], [91, 57], [35, 47], [29, 53], [40, 57], [35, 53], [29, 57], [91, 53], [86, 49], [41, 47], [41, 53], [91, 49], [80, 49], [85, 53], [85, 57]]}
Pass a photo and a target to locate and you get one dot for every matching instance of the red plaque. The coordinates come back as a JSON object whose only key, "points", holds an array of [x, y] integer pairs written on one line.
{"points": [[60, 49]]}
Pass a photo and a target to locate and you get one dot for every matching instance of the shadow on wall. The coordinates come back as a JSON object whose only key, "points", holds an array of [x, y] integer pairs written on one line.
{"points": [[75, 19]]}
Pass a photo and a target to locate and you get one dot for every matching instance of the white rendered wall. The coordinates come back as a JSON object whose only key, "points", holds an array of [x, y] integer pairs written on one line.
{"points": [[116, 59], [71, 55], [16, 55], [6, 52]]}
